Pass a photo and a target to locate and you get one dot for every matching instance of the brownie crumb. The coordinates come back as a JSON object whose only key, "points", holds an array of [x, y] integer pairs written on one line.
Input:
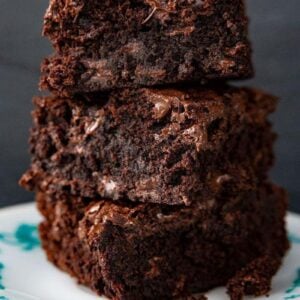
{"points": [[254, 279]]}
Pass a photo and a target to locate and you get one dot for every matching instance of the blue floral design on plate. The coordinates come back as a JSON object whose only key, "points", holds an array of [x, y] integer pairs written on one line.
{"points": [[294, 238], [1, 277], [290, 292], [25, 237]]}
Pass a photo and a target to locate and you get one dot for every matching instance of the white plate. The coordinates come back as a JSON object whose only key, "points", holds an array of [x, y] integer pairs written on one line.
{"points": [[25, 273]]}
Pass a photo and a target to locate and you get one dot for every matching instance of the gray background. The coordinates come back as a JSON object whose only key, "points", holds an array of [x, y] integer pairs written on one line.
{"points": [[275, 32]]}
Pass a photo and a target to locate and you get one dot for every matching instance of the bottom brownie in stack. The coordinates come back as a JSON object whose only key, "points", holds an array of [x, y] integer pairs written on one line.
{"points": [[147, 251]]}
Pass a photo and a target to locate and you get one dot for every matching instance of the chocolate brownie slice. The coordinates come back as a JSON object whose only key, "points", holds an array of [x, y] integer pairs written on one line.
{"points": [[102, 45], [151, 145], [149, 251]]}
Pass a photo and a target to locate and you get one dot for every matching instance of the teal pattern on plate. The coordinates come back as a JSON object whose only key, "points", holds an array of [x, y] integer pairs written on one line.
{"points": [[1, 271], [290, 292], [294, 238], [25, 237]]}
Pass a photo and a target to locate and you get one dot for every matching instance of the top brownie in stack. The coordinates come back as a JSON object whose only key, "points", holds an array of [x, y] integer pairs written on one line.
{"points": [[151, 145], [102, 45]]}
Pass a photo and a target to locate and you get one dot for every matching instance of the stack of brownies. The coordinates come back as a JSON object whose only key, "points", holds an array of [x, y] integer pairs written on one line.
{"points": [[150, 171]]}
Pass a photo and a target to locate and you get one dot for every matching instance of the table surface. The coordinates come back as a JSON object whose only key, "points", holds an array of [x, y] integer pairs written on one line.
{"points": [[274, 30]]}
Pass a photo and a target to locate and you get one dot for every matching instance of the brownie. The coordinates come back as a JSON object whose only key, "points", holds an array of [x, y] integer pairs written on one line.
{"points": [[129, 250], [102, 45], [151, 145]]}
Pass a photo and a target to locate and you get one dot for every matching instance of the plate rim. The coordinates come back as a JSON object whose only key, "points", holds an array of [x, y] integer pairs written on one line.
{"points": [[22, 206]]}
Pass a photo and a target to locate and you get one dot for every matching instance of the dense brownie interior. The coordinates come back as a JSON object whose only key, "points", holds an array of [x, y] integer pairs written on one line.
{"points": [[151, 145]]}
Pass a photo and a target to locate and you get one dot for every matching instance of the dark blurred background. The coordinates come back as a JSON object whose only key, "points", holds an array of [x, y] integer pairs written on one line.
{"points": [[275, 33]]}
